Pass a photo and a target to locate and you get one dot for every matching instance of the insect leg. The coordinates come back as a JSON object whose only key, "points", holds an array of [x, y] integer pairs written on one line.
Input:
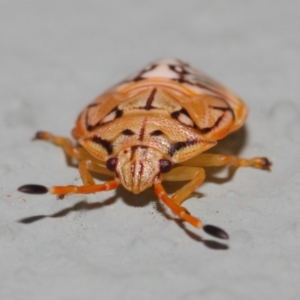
{"points": [[184, 214], [69, 189], [178, 210], [85, 175], [84, 189], [209, 160], [65, 143], [86, 165], [88, 186], [196, 176]]}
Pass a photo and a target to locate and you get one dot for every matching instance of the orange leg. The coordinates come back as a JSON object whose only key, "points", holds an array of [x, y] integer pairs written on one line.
{"points": [[85, 175], [184, 214], [196, 176], [70, 150], [86, 163], [84, 189], [68, 189], [178, 210], [210, 160]]}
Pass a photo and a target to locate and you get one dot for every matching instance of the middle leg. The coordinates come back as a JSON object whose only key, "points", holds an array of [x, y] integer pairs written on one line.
{"points": [[196, 176]]}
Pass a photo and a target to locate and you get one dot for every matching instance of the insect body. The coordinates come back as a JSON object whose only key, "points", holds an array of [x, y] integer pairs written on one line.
{"points": [[153, 127]]}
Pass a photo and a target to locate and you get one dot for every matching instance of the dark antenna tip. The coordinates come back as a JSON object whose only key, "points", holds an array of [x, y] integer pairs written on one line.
{"points": [[267, 164], [216, 232], [33, 189]]}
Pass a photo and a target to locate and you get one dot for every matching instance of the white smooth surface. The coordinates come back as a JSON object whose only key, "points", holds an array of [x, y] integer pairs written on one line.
{"points": [[55, 57]]}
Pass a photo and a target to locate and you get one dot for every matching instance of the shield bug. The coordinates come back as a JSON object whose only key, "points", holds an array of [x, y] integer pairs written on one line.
{"points": [[154, 127]]}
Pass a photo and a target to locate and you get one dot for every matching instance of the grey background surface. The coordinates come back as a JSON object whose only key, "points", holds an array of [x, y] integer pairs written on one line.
{"points": [[55, 57]]}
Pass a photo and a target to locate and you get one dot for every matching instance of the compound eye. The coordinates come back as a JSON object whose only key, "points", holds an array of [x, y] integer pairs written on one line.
{"points": [[111, 164], [165, 165]]}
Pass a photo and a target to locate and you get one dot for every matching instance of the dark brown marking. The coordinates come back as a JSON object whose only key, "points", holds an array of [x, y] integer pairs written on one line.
{"points": [[87, 125], [92, 105], [149, 68], [142, 72], [181, 80], [119, 113], [150, 99], [133, 167], [156, 133], [176, 114], [200, 85], [141, 169], [115, 110], [133, 149], [104, 143], [179, 69], [205, 130], [180, 145], [208, 129], [142, 132], [224, 110], [220, 108], [90, 127], [138, 78], [128, 132]]}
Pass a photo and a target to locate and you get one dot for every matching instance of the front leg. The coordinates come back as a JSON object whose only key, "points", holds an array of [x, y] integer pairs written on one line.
{"points": [[86, 163], [184, 214]]}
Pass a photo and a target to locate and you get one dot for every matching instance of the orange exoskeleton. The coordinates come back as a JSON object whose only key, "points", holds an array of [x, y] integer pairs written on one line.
{"points": [[153, 127]]}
